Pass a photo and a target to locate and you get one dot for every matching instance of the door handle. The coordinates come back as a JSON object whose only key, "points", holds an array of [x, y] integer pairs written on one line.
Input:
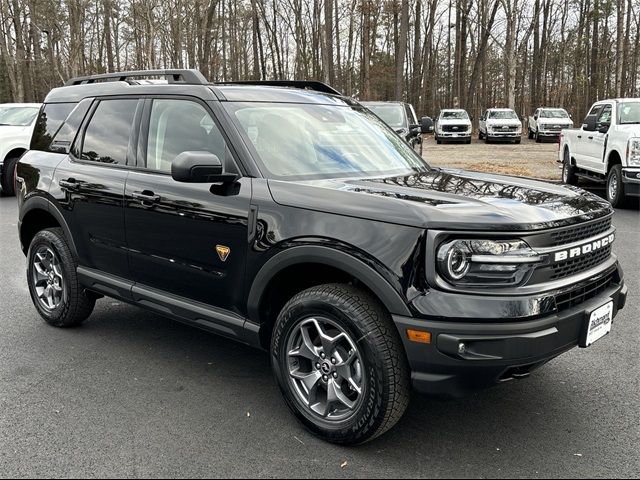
{"points": [[590, 138], [146, 197], [69, 184], [579, 136]]}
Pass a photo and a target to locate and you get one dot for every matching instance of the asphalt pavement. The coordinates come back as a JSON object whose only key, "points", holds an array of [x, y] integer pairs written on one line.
{"points": [[132, 394]]}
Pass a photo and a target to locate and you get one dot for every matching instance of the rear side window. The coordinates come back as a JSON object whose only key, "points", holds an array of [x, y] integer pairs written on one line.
{"points": [[106, 139], [50, 119]]}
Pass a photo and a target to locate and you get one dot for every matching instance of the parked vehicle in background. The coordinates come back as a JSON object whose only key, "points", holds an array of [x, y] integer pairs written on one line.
{"points": [[500, 124], [402, 118], [453, 124], [548, 123], [16, 126], [606, 149]]}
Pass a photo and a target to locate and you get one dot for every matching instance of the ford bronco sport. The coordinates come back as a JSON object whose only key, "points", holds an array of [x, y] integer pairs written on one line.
{"points": [[288, 217]]}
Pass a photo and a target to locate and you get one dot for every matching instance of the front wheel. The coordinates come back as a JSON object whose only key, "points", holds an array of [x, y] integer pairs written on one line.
{"points": [[53, 281], [340, 364]]}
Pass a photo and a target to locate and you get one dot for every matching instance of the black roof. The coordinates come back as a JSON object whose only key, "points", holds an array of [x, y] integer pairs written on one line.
{"points": [[192, 83]]}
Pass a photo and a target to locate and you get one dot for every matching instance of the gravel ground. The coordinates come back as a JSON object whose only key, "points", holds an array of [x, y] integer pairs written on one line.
{"points": [[132, 394], [529, 159]]}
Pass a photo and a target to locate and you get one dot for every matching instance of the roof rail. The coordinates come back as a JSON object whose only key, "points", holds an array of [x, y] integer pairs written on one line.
{"points": [[302, 84], [186, 77]]}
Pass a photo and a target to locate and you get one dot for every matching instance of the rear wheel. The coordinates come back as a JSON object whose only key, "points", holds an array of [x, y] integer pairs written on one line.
{"points": [[53, 282], [9, 176], [615, 187], [340, 364]]}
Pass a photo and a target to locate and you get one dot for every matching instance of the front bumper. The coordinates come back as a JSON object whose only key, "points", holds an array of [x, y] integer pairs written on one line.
{"points": [[498, 349], [455, 135], [499, 134], [550, 133], [631, 179]]}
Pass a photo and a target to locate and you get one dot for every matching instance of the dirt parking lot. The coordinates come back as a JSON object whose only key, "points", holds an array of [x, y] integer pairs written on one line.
{"points": [[529, 159]]}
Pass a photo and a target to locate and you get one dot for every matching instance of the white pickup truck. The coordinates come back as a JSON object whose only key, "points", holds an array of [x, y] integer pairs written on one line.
{"points": [[548, 123], [17, 121], [500, 124], [606, 149]]}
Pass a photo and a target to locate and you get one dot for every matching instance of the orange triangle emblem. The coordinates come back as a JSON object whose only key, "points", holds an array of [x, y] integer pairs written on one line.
{"points": [[223, 252]]}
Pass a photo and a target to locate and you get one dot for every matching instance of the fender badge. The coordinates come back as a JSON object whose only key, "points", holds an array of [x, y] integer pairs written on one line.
{"points": [[223, 252]]}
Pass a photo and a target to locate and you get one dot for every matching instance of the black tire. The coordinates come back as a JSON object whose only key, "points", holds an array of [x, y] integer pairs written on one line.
{"points": [[568, 171], [530, 134], [438, 141], [537, 137], [76, 304], [518, 141], [617, 198], [9, 177], [468, 142], [480, 137], [385, 386]]}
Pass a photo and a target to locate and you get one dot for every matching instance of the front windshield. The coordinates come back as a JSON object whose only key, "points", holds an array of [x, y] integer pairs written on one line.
{"points": [[18, 116], [457, 115], [304, 141], [503, 115], [554, 114], [629, 113], [393, 115]]}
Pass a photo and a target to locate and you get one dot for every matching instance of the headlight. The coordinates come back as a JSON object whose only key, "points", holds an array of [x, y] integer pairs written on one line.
{"points": [[633, 152], [486, 263]]}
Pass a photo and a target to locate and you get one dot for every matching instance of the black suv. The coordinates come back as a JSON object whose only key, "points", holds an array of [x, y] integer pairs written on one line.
{"points": [[402, 118], [292, 219]]}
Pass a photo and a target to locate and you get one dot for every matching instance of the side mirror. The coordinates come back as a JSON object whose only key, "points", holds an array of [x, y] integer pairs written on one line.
{"points": [[604, 127], [199, 167], [426, 125], [590, 123], [535, 117]]}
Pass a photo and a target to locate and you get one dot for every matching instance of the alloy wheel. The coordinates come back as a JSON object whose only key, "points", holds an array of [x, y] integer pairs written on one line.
{"points": [[47, 279], [325, 369]]}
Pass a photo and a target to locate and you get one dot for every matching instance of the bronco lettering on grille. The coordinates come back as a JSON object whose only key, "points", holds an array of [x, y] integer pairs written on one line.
{"points": [[584, 249]]}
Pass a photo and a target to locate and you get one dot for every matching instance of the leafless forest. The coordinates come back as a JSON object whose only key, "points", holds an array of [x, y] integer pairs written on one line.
{"points": [[471, 53]]}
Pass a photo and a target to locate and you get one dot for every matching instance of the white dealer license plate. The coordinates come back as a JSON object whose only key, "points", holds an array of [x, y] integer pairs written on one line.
{"points": [[599, 324]]}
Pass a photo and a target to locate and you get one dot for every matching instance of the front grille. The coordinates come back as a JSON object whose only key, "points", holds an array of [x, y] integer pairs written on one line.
{"points": [[581, 294], [455, 128], [506, 128], [580, 232], [580, 264]]}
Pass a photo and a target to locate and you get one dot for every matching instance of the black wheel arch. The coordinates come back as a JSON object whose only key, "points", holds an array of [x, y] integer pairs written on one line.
{"points": [[38, 213], [326, 259]]}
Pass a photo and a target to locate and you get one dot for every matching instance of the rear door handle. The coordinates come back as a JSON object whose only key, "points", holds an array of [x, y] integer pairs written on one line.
{"points": [[69, 184], [146, 197], [590, 138], [579, 136]]}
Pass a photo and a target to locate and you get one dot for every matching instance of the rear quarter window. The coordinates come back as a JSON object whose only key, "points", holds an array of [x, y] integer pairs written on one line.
{"points": [[50, 119]]}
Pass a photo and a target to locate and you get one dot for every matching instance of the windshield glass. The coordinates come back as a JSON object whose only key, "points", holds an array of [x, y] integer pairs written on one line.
{"points": [[393, 114], [18, 116], [629, 112], [457, 115], [302, 141], [503, 115], [554, 114]]}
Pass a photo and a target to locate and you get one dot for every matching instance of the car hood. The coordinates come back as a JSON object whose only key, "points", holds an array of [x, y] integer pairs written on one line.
{"points": [[556, 121], [446, 199], [503, 121], [453, 121]]}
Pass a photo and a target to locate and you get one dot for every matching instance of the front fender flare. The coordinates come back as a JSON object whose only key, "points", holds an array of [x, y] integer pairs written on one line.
{"points": [[385, 292]]}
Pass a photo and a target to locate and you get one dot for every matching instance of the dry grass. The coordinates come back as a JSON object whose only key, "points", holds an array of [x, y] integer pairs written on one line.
{"points": [[500, 168]]}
